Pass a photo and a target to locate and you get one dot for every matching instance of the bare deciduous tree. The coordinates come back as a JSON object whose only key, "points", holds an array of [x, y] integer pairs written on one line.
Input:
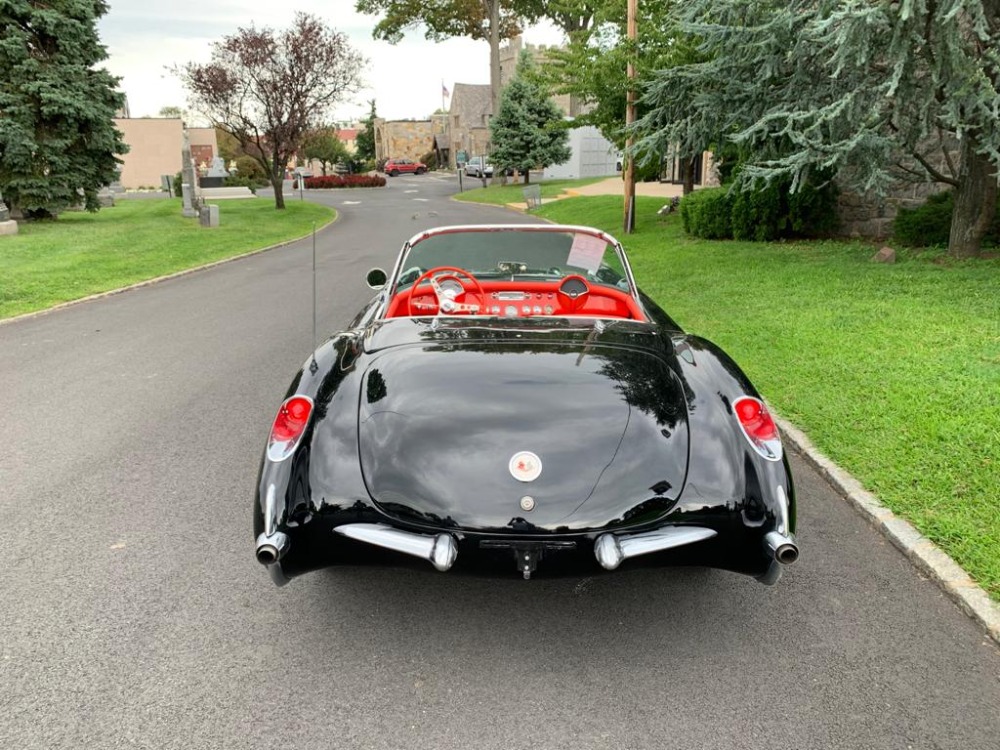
{"points": [[268, 89]]}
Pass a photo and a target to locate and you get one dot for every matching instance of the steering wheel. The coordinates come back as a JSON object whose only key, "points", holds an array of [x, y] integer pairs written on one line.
{"points": [[444, 302]]}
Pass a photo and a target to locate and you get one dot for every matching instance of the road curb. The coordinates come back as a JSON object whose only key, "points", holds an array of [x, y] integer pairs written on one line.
{"points": [[921, 551], [167, 277]]}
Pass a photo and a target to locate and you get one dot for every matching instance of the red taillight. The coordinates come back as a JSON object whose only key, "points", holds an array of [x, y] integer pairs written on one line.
{"points": [[758, 426], [289, 424]]}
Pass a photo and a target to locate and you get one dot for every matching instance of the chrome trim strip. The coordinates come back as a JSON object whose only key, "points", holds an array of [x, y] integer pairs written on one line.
{"points": [[269, 519], [611, 550], [783, 521], [440, 550]]}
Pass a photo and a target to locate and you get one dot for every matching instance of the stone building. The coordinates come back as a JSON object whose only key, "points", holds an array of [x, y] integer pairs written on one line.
{"points": [[469, 121], [570, 104], [407, 139]]}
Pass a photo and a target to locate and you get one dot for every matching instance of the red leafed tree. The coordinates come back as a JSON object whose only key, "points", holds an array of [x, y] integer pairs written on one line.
{"points": [[269, 88]]}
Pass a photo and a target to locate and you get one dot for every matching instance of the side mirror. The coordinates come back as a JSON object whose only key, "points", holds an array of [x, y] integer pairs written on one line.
{"points": [[376, 278]]}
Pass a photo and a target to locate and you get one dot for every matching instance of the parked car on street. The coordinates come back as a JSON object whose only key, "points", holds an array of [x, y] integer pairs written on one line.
{"points": [[511, 402], [394, 167], [475, 167]]}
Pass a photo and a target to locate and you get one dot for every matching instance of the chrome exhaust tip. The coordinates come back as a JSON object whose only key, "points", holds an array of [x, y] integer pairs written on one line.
{"points": [[781, 547], [272, 547]]}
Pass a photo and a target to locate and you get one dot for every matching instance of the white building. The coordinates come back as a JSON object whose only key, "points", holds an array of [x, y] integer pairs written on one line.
{"points": [[593, 155]]}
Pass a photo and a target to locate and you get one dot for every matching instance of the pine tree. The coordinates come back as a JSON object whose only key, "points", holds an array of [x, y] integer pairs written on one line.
{"points": [[364, 142], [871, 89], [57, 138], [527, 132]]}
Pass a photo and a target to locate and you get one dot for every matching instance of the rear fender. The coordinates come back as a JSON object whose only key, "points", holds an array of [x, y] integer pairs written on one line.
{"points": [[723, 467], [284, 488]]}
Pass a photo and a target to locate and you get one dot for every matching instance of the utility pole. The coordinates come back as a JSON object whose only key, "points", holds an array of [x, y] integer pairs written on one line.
{"points": [[629, 219]]}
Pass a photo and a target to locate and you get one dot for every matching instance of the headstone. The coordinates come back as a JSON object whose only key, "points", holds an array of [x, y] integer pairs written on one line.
{"points": [[191, 204], [106, 198], [216, 175], [885, 255], [7, 226], [167, 183], [209, 216]]}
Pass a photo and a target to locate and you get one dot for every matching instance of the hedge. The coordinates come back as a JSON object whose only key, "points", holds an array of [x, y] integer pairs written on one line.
{"points": [[324, 182], [763, 214]]}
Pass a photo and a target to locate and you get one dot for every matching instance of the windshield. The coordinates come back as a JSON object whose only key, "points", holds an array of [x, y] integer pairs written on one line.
{"points": [[519, 255]]}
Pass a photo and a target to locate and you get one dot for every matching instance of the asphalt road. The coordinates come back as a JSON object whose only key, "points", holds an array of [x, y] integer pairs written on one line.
{"points": [[133, 614]]}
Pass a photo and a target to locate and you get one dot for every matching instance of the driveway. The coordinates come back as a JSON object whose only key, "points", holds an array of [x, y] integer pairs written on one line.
{"points": [[134, 615]]}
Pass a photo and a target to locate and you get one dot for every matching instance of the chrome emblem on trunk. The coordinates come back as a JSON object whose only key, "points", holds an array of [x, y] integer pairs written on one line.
{"points": [[525, 466], [527, 503]]}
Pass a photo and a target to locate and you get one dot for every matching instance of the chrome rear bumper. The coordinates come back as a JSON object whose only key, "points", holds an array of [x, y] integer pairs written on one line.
{"points": [[440, 550], [612, 550]]}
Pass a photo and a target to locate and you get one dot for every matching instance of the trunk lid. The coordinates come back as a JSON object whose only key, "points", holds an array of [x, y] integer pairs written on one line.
{"points": [[439, 426]]}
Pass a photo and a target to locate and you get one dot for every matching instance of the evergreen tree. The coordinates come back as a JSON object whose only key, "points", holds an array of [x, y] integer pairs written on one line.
{"points": [[871, 89], [528, 130], [57, 138], [364, 143]]}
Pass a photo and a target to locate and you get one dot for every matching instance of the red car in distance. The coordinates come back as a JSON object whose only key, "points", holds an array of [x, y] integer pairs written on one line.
{"points": [[394, 167]]}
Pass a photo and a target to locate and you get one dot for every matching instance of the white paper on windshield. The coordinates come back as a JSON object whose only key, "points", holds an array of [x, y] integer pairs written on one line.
{"points": [[587, 252]]}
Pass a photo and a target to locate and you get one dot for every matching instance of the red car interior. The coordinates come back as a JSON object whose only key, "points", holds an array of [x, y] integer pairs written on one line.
{"points": [[518, 299]]}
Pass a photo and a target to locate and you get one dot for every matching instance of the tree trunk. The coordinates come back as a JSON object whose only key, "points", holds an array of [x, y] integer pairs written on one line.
{"points": [[278, 183], [975, 201], [527, 176], [687, 167], [494, 9]]}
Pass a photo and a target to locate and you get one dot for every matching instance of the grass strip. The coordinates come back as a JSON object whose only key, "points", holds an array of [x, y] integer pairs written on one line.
{"points": [[502, 195], [892, 370], [82, 254]]}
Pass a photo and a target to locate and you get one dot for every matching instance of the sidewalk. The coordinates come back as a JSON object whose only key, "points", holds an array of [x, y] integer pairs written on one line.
{"points": [[612, 186]]}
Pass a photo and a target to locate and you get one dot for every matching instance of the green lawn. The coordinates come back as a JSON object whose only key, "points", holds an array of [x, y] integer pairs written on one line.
{"points": [[501, 196], [81, 254], [892, 370]]}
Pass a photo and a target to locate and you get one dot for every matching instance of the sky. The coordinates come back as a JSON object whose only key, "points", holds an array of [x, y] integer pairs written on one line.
{"points": [[145, 38]]}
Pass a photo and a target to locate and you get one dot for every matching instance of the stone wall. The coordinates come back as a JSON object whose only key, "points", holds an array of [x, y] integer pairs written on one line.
{"points": [[871, 215], [404, 139]]}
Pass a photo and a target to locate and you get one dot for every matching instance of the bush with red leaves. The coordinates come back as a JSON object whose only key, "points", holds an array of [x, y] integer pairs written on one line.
{"points": [[324, 182]]}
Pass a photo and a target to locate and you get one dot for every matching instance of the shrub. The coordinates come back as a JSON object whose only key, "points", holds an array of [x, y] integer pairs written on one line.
{"points": [[766, 213], [344, 181], [812, 210], [178, 182], [930, 224], [430, 159], [759, 215], [247, 166], [705, 213], [239, 180]]}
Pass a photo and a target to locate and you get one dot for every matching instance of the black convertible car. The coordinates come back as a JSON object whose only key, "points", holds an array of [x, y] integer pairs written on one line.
{"points": [[510, 402]]}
